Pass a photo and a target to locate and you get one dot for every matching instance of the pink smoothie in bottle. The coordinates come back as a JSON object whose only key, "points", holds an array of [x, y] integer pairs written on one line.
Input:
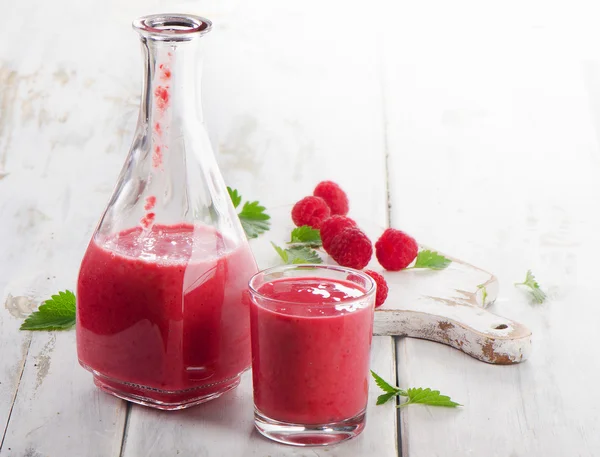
{"points": [[161, 315], [311, 354]]}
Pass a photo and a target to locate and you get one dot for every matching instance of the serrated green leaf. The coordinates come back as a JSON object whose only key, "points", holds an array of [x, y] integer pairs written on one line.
{"points": [[58, 313], [383, 385], [306, 236], [254, 219], [303, 255], [236, 198], [297, 255], [536, 292], [419, 395], [384, 398], [432, 260], [415, 395], [254, 211], [282, 252], [254, 228]]}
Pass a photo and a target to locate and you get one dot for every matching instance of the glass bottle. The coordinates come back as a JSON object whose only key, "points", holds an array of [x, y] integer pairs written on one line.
{"points": [[162, 320]]}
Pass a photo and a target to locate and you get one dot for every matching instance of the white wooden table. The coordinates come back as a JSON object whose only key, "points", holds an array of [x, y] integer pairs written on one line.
{"points": [[472, 125]]}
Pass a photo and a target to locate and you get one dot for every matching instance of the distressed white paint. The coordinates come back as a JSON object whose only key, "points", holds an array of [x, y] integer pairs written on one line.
{"points": [[492, 114], [58, 411]]}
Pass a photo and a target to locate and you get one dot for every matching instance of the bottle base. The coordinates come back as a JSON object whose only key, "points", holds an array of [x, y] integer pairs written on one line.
{"points": [[169, 400], [309, 435]]}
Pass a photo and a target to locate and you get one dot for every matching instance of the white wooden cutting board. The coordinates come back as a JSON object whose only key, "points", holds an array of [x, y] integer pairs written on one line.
{"points": [[446, 306]]}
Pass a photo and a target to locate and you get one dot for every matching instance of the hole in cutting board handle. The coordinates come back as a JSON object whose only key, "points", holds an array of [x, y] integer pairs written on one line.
{"points": [[501, 327]]}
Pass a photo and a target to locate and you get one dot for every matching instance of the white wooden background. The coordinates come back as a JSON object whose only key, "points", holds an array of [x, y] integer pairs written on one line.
{"points": [[474, 125]]}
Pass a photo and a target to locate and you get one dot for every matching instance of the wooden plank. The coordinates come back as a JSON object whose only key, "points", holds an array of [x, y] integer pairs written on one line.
{"points": [[491, 127], [47, 222], [58, 135], [13, 352], [58, 408]]}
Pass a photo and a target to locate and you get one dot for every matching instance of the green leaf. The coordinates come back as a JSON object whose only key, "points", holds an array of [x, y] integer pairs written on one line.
{"points": [[254, 228], [306, 236], [58, 313], [254, 211], [418, 395], [236, 198], [536, 292], [282, 252], [432, 260], [252, 216], [296, 255], [390, 391], [484, 293], [383, 385], [254, 219], [384, 398], [415, 395]]}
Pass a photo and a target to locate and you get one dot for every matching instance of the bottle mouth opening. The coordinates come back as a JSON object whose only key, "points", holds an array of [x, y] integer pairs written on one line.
{"points": [[172, 27]]}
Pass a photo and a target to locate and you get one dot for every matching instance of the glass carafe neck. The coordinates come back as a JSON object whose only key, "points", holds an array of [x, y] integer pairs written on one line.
{"points": [[170, 177], [172, 70]]}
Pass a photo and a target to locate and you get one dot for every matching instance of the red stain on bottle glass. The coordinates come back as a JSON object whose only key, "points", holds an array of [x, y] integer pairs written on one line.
{"points": [[157, 156], [150, 202], [162, 97], [165, 72], [147, 220], [158, 128]]}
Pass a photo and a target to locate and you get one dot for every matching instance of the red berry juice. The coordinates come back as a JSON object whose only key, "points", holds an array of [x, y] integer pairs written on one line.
{"points": [[161, 314], [310, 356]]}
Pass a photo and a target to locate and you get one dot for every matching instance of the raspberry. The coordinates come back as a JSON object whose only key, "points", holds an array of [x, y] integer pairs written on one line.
{"points": [[335, 197], [332, 226], [382, 287], [395, 250], [351, 248], [310, 211]]}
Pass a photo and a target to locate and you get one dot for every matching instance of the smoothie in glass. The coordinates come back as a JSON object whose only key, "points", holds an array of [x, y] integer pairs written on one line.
{"points": [[311, 339]]}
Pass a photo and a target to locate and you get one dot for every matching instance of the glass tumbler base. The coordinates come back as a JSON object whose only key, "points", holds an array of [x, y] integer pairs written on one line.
{"points": [[163, 399], [309, 435]]}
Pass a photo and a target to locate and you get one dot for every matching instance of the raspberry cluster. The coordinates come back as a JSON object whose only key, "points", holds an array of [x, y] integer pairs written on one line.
{"points": [[345, 242]]}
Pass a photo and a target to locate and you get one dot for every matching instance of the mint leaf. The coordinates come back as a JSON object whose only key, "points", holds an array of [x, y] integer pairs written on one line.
{"points": [[296, 255], [252, 216], [538, 294], [390, 391], [306, 236], [415, 395], [282, 252], [384, 398], [383, 385], [236, 198], [432, 260], [58, 313], [254, 219], [418, 395]]}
